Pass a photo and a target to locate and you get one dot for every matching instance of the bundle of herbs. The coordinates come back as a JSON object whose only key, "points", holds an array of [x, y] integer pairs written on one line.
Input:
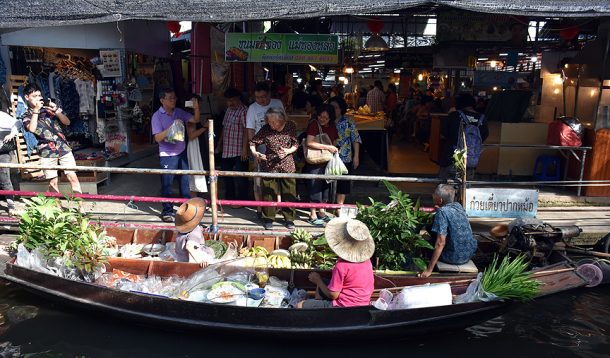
{"points": [[395, 228], [509, 279], [61, 232]]}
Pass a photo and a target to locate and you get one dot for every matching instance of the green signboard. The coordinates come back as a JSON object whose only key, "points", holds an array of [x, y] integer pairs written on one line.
{"points": [[286, 48]]}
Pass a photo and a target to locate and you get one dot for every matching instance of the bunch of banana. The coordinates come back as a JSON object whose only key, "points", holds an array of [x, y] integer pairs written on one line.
{"points": [[256, 251], [277, 261], [301, 235], [255, 261], [300, 259]]}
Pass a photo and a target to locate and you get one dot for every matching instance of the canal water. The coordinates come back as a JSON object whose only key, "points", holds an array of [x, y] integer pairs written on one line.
{"points": [[572, 324]]}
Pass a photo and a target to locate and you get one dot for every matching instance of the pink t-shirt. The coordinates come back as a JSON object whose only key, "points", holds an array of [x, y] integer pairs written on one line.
{"points": [[355, 281]]}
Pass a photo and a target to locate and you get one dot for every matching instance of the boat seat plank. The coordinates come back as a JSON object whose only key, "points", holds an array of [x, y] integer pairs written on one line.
{"points": [[468, 267]]}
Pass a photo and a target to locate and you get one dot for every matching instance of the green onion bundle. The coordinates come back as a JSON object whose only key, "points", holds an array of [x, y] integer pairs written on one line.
{"points": [[509, 280]]}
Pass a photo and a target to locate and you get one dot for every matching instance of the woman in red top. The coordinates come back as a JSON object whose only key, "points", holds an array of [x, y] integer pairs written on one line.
{"points": [[319, 189]]}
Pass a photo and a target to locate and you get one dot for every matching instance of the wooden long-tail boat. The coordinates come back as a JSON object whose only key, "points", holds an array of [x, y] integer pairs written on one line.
{"points": [[366, 322]]}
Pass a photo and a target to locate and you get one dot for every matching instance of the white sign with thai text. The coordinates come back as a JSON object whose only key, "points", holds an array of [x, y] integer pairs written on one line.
{"points": [[501, 203]]}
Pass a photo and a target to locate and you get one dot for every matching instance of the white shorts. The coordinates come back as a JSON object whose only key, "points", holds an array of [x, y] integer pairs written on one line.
{"points": [[65, 160]]}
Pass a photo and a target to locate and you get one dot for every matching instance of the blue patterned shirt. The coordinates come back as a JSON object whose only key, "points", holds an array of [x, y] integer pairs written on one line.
{"points": [[348, 135], [460, 245]]}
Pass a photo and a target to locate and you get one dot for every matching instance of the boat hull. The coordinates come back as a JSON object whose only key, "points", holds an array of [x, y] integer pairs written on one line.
{"points": [[288, 323]]}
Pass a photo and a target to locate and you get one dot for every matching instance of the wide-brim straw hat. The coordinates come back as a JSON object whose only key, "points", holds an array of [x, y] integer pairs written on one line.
{"points": [[350, 239], [189, 214], [499, 231]]}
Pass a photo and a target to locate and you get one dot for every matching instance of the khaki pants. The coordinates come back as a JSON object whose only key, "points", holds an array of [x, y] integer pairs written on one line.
{"points": [[271, 188]]}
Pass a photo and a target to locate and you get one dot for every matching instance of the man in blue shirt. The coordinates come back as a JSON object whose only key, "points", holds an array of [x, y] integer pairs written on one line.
{"points": [[455, 243]]}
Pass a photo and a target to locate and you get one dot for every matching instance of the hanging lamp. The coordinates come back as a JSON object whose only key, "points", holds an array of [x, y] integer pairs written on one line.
{"points": [[375, 42]]}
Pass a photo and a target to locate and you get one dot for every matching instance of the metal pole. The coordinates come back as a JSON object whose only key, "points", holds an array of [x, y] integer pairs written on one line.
{"points": [[221, 173], [576, 94], [213, 177], [582, 171], [601, 79]]}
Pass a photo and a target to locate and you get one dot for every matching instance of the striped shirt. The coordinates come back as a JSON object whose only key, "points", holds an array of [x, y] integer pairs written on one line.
{"points": [[375, 99], [233, 131]]}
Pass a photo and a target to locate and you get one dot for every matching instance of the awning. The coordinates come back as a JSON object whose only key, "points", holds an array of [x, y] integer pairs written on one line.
{"points": [[35, 13]]}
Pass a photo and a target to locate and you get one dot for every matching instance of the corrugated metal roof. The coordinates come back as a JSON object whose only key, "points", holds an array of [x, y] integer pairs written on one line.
{"points": [[35, 13]]}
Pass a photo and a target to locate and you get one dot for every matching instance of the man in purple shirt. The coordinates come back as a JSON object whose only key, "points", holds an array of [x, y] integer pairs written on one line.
{"points": [[172, 155]]}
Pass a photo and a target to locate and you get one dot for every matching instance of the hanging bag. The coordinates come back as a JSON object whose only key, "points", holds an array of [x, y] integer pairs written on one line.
{"points": [[318, 156], [197, 183]]}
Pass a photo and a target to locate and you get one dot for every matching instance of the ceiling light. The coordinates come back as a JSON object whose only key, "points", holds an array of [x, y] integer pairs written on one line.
{"points": [[349, 70], [534, 59], [420, 77], [493, 64], [313, 68]]}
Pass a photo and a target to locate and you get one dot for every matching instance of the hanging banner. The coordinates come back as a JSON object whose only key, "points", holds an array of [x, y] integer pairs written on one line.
{"points": [[284, 48], [469, 26], [501, 203]]}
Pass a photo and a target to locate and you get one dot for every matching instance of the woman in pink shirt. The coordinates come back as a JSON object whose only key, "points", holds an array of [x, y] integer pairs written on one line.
{"points": [[352, 280]]}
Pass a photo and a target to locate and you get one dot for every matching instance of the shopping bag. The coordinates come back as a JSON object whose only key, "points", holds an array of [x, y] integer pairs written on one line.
{"points": [[335, 166], [176, 132], [196, 182]]}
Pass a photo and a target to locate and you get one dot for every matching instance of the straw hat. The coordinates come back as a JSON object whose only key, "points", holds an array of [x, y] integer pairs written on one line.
{"points": [[499, 231], [350, 239], [189, 214]]}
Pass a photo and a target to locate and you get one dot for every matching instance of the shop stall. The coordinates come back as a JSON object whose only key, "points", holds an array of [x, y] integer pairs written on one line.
{"points": [[107, 91]]}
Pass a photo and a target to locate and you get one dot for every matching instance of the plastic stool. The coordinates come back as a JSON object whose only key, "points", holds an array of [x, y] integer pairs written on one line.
{"points": [[547, 168]]}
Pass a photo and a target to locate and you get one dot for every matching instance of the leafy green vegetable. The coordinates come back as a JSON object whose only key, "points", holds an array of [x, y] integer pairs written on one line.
{"points": [[218, 246], [62, 232], [509, 279], [459, 161], [395, 228]]}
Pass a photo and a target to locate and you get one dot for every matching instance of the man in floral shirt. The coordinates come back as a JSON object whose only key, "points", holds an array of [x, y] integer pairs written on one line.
{"points": [[455, 243], [45, 121]]}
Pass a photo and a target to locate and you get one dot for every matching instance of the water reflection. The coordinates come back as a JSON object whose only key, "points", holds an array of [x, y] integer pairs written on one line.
{"points": [[565, 325]]}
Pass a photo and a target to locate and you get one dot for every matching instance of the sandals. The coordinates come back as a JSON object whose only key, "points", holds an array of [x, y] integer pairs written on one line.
{"points": [[325, 218], [316, 222]]}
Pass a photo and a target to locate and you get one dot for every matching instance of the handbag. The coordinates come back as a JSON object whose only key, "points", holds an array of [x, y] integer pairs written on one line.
{"points": [[318, 156], [8, 146]]}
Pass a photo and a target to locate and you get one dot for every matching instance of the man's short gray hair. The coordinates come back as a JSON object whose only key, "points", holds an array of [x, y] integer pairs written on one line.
{"points": [[446, 192], [275, 112]]}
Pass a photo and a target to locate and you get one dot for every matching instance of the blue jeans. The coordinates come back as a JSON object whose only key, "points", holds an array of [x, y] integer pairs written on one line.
{"points": [[174, 162]]}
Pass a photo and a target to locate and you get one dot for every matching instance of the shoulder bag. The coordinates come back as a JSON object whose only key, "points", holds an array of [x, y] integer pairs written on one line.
{"points": [[8, 146], [318, 156]]}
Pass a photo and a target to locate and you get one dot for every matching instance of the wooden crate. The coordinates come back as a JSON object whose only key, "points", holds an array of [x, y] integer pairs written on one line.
{"points": [[95, 177], [23, 158], [22, 154]]}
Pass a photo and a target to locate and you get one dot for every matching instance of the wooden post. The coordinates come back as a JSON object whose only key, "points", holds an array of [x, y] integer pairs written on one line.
{"points": [[213, 178], [465, 174]]}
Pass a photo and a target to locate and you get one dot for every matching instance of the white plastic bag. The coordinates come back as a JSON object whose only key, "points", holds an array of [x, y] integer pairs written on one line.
{"points": [[176, 132], [384, 301], [428, 295], [196, 182], [335, 166], [475, 293]]}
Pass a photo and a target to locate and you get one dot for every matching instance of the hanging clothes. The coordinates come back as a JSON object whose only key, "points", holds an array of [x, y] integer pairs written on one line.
{"points": [[86, 94]]}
